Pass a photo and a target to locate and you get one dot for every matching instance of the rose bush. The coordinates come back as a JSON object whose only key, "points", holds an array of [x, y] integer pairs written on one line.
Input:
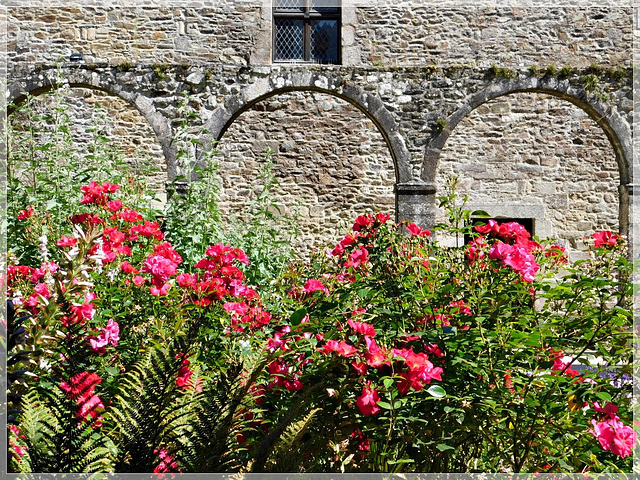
{"points": [[387, 352]]}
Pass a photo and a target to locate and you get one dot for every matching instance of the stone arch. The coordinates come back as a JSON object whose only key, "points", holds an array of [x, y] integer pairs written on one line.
{"points": [[371, 106], [534, 156], [615, 128], [39, 83], [330, 161]]}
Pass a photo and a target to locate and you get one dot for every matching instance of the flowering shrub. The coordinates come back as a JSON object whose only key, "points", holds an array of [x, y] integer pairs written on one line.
{"points": [[387, 352]]}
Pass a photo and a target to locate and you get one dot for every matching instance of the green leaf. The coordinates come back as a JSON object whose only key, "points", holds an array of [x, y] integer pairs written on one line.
{"points": [[402, 460], [443, 447], [436, 391], [297, 316], [112, 371], [364, 292], [383, 404], [480, 213], [603, 396], [387, 382]]}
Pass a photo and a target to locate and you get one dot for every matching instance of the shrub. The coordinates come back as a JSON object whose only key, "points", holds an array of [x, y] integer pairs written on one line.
{"points": [[387, 353]]}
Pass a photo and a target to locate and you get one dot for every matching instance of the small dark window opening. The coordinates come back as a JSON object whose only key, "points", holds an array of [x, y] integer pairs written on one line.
{"points": [[527, 223], [306, 32]]}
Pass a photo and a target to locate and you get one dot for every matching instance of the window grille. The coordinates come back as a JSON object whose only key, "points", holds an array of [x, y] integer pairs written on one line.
{"points": [[306, 31]]}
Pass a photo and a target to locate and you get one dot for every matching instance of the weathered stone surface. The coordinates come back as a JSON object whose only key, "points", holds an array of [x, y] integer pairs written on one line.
{"points": [[568, 190], [331, 163], [416, 84]]}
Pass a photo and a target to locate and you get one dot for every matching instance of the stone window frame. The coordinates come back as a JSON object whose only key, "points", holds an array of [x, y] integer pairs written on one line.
{"points": [[541, 226], [529, 223], [308, 13]]}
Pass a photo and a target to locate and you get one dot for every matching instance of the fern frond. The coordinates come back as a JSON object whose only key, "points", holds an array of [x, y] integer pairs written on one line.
{"points": [[95, 453], [211, 438], [267, 446], [286, 454], [46, 422], [150, 412], [39, 424]]}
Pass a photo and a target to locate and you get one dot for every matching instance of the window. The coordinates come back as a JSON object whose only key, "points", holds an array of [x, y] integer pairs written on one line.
{"points": [[527, 223], [304, 31]]}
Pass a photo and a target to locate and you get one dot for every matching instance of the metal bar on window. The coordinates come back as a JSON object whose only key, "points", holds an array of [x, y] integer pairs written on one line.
{"points": [[306, 31]]}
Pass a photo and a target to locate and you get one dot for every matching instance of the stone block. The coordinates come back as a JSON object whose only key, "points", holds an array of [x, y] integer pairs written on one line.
{"points": [[348, 36], [557, 201]]}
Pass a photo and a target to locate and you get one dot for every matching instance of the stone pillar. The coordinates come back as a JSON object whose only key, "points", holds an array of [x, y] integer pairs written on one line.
{"points": [[416, 202]]}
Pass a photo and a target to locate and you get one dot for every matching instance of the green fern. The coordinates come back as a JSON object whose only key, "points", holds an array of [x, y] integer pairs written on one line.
{"points": [[269, 444], [40, 429], [286, 455], [150, 412], [46, 423], [213, 443]]}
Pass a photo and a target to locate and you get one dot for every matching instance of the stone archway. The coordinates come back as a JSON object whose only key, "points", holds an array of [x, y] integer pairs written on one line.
{"points": [[371, 106], [331, 162], [96, 120], [534, 155], [607, 118], [108, 82]]}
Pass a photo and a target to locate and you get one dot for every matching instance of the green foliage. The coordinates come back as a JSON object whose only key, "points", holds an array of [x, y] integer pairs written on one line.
{"points": [[501, 72], [617, 73], [263, 231], [149, 410], [160, 70], [440, 124], [286, 455], [590, 82], [594, 69], [192, 219], [55, 441], [566, 71], [211, 445], [46, 167], [124, 66]]}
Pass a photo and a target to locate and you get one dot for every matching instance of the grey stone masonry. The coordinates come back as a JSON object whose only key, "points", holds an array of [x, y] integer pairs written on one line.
{"points": [[530, 106]]}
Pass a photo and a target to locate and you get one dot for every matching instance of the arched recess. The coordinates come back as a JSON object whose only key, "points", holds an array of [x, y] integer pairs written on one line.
{"points": [[331, 162], [372, 107], [535, 156], [609, 121], [39, 83], [95, 119]]}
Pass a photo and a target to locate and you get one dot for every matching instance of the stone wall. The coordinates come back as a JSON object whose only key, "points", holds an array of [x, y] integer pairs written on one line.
{"points": [[238, 33], [131, 35], [511, 37], [535, 156], [331, 162], [412, 68]]}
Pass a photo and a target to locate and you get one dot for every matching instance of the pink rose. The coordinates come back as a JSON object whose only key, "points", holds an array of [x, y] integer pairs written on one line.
{"points": [[367, 403]]}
